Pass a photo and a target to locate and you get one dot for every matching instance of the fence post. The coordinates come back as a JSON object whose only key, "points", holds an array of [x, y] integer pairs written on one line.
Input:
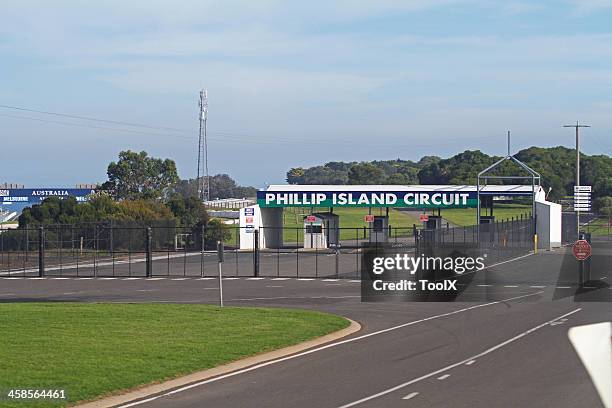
{"points": [[41, 251], [202, 248], [149, 257], [27, 236], [95, 250], [337, 261], [256, 253]]}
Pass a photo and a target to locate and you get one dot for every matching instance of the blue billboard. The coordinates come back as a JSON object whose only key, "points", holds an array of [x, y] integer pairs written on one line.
{"points": [[16, 199]]}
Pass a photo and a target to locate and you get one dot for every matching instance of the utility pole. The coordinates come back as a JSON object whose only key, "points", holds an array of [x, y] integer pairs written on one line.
{"points": [[508, 143], [203, 148], [577, 126]]}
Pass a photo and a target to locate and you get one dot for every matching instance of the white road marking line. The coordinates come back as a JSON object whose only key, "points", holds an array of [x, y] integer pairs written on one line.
{"points": [[12, 278], [69, 293], [280, 279], [470, 362], [295, 297], [139, 402], [179, 279], [561, 321], [60, 278], [331, 280], [230, 278], [444, 377], [209, 278], [77, 278], [146, 290], [324, 347], [107, 278], [156, 279], [305, 279], [449, 367], [274, 286], [6, 294], [537, 286], [411, 395], [255, 278], [484, 286], [511, 286], [132, 278], [37, 278], [564, 287], [355, 281]]}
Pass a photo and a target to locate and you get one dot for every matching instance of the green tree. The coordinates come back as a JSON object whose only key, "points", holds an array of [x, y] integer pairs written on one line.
{"points": [[295, 175], [189, 210], [325, 175], [221, 186], [603, 205], [138, 176], [366, 173]]}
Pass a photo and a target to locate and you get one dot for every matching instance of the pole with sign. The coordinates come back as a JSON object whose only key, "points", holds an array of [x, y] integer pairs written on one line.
{"points": [[220, 259], [582, 202], [582, 251], [577, 186]]}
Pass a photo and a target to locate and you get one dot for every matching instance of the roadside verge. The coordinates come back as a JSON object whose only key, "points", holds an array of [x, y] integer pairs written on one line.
{"points": [[155, 389]]}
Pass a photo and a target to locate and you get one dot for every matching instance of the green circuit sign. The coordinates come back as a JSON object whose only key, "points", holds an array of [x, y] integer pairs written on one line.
{"points": [[405, 199]]}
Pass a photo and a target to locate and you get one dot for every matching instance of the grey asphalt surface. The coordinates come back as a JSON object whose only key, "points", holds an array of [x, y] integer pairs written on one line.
{"points": [[502, 343]]}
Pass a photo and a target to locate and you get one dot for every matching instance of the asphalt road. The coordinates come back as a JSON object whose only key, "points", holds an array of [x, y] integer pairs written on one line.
{"points": [[502, 343]]}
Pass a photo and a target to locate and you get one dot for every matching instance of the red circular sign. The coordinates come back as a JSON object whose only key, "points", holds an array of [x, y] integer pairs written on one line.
{"points": [[581, 249]]}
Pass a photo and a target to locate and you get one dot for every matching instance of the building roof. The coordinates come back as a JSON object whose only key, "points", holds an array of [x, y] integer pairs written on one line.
{"points": [[508, 189]]}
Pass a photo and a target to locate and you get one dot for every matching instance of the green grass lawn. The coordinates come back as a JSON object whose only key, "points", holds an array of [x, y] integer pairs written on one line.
{"points": [[351, 219], [91, 350], [600, 227], [467, 216]]}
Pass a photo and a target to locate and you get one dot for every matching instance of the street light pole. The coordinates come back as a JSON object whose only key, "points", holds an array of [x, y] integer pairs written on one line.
{"points": [[577, 126]]}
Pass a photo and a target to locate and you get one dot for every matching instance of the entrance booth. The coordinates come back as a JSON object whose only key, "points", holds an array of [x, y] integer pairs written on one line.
{"points": [[321, 231], [434, 222], [379, 230]]}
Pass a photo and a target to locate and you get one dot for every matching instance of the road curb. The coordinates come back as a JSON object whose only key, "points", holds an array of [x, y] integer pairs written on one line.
{"points": [[151, 390]]}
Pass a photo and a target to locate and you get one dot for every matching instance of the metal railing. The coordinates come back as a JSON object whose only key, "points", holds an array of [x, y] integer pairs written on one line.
{"points": [[136, 250]]}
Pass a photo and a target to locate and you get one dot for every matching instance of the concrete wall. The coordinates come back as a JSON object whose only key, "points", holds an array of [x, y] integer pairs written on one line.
{"points": [[255, 218], [548, 225], [272, 234]]}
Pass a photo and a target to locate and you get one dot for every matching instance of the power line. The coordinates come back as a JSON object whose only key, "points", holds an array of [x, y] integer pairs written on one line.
{"points": [[223, 136], [90, 126], [116, 122], [245, 137], [226, 139]]}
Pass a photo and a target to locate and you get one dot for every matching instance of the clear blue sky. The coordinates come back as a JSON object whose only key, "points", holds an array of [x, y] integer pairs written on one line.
{"points": [[297, 83]]}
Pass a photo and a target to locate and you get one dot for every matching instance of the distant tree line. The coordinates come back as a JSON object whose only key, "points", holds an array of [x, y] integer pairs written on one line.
{"points": [[374, 172], [555, 165], [221, 186]]}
